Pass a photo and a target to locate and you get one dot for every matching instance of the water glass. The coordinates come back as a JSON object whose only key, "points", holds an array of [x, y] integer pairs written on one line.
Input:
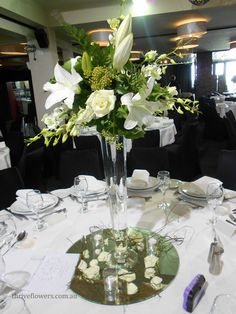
{"points": [[215, 195], [34, 202], [110, 280], [7, 229], [224, 304], [80, 189], [15, 305], [163, 178]]}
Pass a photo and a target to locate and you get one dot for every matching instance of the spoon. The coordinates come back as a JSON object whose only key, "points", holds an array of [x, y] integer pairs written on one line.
{"points": [[21, 236]]}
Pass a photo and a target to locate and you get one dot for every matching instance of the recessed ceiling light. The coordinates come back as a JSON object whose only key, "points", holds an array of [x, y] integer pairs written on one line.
{"points": [[100, 36], [12, 53]]}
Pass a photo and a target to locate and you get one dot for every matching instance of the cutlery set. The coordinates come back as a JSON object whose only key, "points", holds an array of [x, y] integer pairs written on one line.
{"points": [[232, 219]]}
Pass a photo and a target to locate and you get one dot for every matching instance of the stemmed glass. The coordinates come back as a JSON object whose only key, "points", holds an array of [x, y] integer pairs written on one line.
{"points": [[34, 202], [10, 284], [163, 178], [215, 195], [224, 303], [7, 230], [80, 189]]}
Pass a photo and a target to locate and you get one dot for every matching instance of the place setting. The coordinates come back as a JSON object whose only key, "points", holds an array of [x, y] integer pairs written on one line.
{"points": [[33, 205]]}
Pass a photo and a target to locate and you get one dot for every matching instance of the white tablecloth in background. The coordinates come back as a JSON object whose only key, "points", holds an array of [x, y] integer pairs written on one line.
{"points": [[165, 126], [5, 161], [224, 107], [191, 224]]}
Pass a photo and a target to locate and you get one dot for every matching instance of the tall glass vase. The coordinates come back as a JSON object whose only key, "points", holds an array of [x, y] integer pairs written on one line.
{"points": [[114, 158]]}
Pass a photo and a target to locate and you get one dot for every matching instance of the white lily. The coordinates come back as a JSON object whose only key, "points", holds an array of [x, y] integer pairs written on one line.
{"points": [[123, 30], [122, 52], [140, 110], [65, 87]]}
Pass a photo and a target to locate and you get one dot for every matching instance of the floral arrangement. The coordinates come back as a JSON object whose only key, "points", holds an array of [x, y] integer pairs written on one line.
{"points": [[103, 88]]}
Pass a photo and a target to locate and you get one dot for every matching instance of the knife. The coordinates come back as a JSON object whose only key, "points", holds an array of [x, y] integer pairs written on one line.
{"points": [[230, 222]]}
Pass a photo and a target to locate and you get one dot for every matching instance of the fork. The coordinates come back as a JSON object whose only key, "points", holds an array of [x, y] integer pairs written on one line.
{"points": [[232, 217]]}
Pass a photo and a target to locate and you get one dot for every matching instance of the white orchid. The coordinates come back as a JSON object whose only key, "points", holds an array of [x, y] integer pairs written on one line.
{"points": [[172, 90], [152, 70], [151, 55], [55, 118], [140, 109], [65, 88]]}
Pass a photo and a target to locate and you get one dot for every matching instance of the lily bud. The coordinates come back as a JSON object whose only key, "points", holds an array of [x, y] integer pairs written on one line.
{"points": [[86, 63], [122, 52], [123, 30]]}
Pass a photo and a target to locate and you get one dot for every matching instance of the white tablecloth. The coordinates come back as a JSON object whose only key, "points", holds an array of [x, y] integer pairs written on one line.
{"points": [[5, 161], [191, 224]]}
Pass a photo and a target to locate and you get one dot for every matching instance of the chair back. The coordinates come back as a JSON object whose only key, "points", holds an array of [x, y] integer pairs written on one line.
{"points": [[89, 142], [226, 170], [153, 159], [230, 123], [10, 181], [151, 139], [78, 162]]}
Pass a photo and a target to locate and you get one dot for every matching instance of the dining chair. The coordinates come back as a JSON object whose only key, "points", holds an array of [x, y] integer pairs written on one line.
{"points": [[31, 167], [151, 139], [87, 142], [226, 170], [214, 125], [10, 181], [152, 159], [183, 156], [75, 162], [230, 123]]}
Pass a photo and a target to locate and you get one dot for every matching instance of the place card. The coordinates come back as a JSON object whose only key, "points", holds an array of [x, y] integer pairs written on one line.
{"points": [[53, 274]]}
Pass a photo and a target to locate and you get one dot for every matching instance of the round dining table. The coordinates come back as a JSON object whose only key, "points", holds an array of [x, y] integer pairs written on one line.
{"points": [[187, 225]]}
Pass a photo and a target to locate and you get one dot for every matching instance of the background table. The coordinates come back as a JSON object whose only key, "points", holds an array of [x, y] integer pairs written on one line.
{"points": [[5, 161]]}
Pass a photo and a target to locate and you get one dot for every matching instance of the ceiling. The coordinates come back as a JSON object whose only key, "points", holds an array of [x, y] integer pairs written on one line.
{"points": [[153, 31]]}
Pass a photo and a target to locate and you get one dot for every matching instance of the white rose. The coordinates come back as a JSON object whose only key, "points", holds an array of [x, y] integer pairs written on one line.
{"points": [[101, 102]]}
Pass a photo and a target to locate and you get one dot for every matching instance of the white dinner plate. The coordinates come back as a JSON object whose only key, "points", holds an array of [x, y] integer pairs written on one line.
{"points": [[91, 195], [192, 190], [153, 183], [49, 202]]}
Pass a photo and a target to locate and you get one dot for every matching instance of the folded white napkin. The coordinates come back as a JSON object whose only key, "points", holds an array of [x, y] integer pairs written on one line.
{"points": [[203, 182], [95, 185], [22, 194], [140, 178], [2, 145]]}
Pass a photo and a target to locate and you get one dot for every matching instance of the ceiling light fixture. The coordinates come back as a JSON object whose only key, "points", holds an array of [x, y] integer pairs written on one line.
{"points": [[193, 29], [198, 2], [139, 7], [13, 53], [187, 46], [100, 36], [135, 55]]}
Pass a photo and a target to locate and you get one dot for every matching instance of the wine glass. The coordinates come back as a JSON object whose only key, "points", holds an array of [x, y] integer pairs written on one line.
{"points": [[80, 189], [224, 303], [10, 284], [163, 178], [215, 195], [7, 229], [34, 202]]}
